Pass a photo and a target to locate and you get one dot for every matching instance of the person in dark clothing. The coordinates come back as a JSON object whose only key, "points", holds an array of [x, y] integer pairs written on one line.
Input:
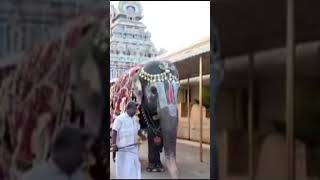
{"points": [[68, 153]]}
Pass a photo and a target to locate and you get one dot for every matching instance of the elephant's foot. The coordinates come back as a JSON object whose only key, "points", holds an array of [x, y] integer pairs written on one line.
{"points": [[155, 168], [159, 167], [172, 168], [150, 167]]}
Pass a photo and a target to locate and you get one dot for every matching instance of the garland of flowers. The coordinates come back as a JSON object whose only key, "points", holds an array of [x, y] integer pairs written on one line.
{"points": [[164, 76]]}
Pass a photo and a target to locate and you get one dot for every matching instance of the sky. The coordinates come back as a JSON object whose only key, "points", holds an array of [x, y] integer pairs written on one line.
{"points": [[175, 24]]}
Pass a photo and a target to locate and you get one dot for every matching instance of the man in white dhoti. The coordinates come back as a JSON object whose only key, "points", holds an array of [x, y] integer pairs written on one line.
{"points": [[124, 141], [69, 152]]}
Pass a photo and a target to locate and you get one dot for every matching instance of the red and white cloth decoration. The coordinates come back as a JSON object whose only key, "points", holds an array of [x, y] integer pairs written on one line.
{"points": [[32, 97], [121, 91]]}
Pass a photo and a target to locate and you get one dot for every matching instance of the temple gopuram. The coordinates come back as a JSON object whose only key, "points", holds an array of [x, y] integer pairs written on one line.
{"points": [[130, 42]]}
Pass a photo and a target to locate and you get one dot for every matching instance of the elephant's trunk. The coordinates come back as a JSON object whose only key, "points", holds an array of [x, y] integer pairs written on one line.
{"points": [[169, 126]]}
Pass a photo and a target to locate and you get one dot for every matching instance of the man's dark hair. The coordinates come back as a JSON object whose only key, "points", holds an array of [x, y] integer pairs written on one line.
{"points": [[67, 148], [131, 105], [69, 138]]}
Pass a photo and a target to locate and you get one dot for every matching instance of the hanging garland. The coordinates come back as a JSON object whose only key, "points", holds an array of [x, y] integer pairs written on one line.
{"points": [[164, 76]]}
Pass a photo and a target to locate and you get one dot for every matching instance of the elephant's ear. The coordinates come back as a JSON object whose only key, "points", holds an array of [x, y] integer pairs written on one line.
{"points": [[137, 89]]}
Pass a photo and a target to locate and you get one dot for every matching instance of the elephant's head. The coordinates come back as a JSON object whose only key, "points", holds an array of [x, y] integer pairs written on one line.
{"points": [[87, 69], [88, 77], [156, 88]]}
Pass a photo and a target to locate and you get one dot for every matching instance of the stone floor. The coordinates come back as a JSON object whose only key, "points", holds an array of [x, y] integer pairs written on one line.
{"points": [[188, 162]]}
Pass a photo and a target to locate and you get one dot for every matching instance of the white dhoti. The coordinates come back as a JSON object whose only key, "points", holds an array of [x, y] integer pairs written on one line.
{"points": [[127, 163]]}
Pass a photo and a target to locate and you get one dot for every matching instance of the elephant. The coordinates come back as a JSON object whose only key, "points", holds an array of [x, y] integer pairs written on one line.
{"points": [[155, 88], [50, 88]]}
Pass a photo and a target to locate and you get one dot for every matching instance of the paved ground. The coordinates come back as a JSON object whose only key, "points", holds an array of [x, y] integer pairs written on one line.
{"points": [[188, 162]]}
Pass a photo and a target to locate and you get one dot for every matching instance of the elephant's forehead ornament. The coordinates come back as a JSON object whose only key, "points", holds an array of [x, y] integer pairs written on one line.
{"points": [[167, 95], [166, 75]]}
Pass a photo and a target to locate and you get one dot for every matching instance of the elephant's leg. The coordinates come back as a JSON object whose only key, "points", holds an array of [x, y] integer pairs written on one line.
{"points": [[153, 155], [159, 165]]}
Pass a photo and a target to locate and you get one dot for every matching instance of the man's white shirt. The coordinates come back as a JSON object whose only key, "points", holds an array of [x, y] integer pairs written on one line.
{"points": [[50, 171], [127, 129]]}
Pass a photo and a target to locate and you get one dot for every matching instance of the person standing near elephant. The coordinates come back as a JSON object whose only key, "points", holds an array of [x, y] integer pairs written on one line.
{"points": [[68, 156], [124, 132]]}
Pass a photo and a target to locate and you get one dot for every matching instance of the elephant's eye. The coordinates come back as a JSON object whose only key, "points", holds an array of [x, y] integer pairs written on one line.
{"points": [[153, 90]]}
